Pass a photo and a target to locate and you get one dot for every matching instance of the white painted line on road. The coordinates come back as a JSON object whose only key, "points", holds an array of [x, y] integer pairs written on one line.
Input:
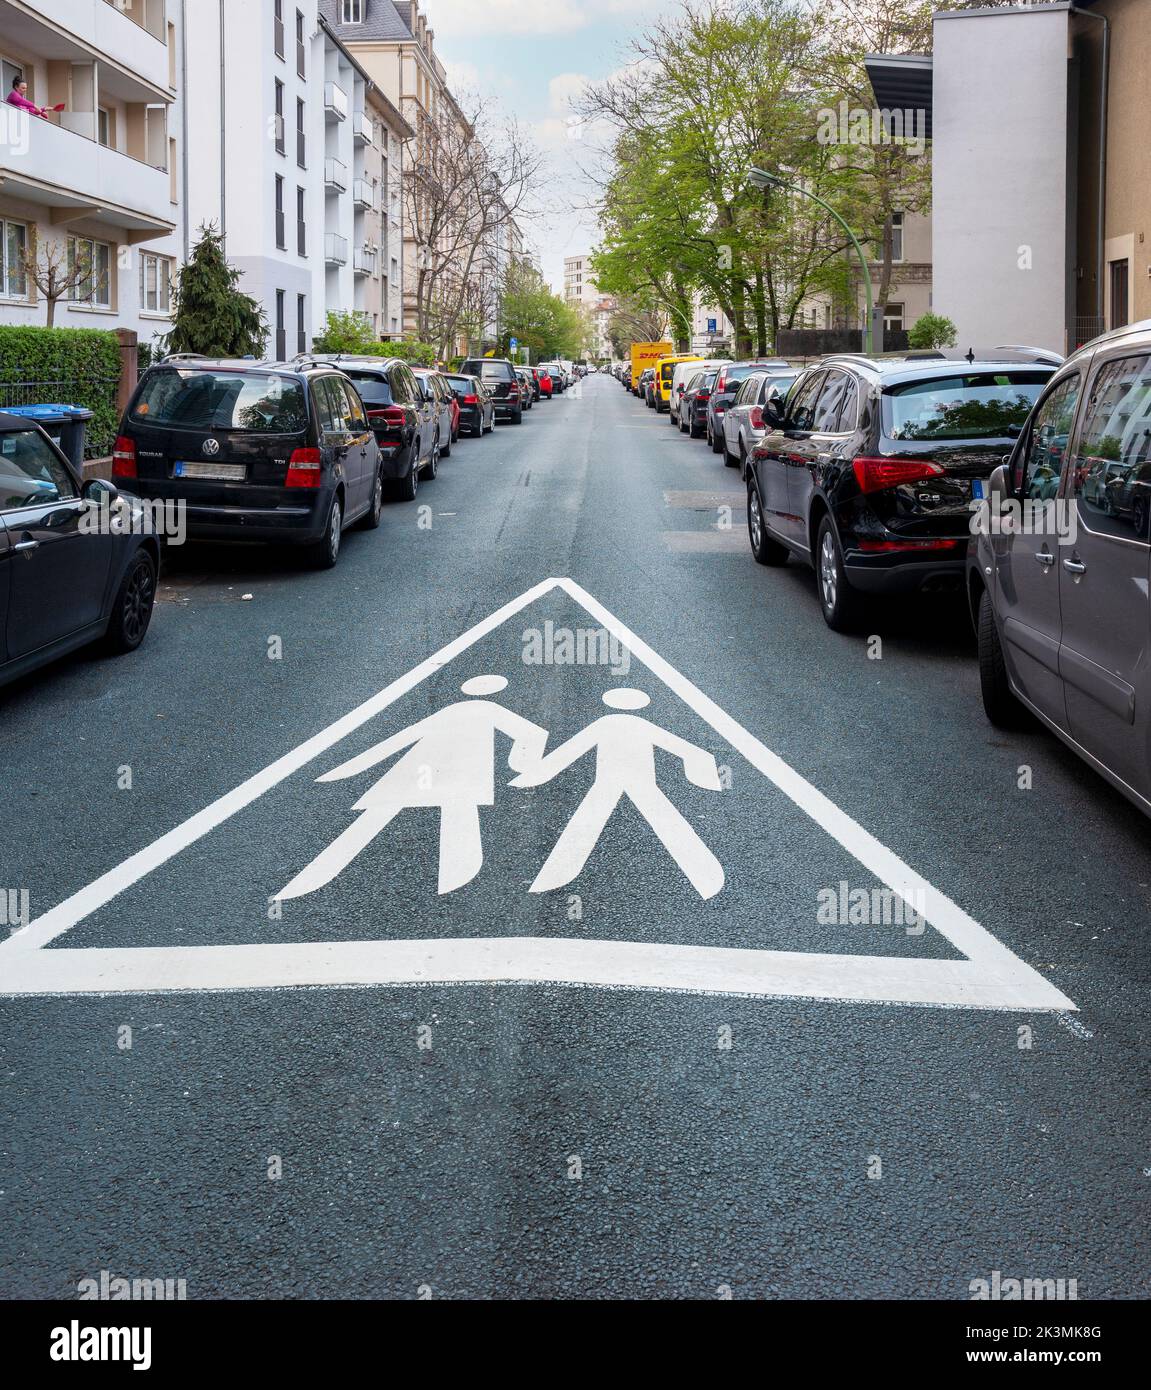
{"points": [[992, 977]]}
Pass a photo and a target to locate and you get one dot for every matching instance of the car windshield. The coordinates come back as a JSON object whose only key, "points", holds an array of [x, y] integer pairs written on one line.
{"points": [[462, 385], [375, 391], [261, 403], [733, 374], [968, 405]]}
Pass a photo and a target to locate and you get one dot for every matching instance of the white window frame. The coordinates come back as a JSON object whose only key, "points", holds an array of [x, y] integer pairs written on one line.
{"points": [[351, 11], [898, 232], [90, 301], [6, 294], [163, 284], [891, 323]]}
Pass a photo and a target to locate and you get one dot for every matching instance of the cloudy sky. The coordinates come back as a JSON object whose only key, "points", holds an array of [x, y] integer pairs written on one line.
{"points": [[531, 57]]}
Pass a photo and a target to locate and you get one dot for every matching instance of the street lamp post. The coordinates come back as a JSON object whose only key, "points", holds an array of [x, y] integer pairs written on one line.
{"points": [[762, 179]]}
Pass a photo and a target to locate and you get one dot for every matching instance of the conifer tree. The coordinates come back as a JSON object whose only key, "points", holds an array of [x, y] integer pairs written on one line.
{"points": [[212, 315]]}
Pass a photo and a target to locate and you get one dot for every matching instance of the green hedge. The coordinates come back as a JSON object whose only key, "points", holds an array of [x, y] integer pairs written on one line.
{"points": [[76, 366]]}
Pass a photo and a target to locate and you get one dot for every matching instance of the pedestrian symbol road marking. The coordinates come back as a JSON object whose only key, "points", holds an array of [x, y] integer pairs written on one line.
{"points": [[990, 976]]}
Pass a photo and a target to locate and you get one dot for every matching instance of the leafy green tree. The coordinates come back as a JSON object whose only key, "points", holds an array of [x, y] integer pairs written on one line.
{"points": [[932, 331], [347, 331], [212, 315]]}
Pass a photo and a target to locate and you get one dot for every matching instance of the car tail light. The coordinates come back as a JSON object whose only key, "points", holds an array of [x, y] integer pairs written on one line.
{"points": [[513, 393], [756, 417], [909, 545], [875, 474], [469, 400], [303, 468], [703, 395], [389, 415], [124, 457]]}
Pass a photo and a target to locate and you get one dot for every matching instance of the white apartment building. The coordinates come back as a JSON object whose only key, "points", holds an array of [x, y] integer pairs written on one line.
{"points": [[99, 180], [580, 287]]}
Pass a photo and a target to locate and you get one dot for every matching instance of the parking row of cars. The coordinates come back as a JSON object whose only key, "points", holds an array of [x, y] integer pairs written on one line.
{"points": [[291, 453], [1012, 476]]}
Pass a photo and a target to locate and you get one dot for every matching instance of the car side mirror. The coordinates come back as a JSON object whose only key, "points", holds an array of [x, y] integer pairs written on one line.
{"points": [[99, 490], [999, 487], [773, 413]]}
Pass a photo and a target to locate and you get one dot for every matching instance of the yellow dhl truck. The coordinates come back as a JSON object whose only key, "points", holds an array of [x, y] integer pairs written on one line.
{"points": [[647, 355]]}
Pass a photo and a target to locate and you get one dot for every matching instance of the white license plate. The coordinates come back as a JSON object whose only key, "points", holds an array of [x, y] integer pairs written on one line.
{"points": [[224, 472]]}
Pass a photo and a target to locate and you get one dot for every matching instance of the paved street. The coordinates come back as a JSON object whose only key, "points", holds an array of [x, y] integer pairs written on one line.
{"points": [[566, 1116]]}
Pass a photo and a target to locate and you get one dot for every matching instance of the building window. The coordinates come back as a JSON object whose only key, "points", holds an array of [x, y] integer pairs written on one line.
{"points": [[301, 222], [896, 236], [278, 29], [301, 66], [281, 231], [13, 249], [281, 335], [279, 117], [301, 323], [1119, 281], [103, 126], [352, 11], [155, 284], [893, 318], [301, 139], [95, 286]]}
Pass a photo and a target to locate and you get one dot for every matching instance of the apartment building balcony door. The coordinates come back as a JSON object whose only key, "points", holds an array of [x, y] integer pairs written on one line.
{"points": [[1118, 274]]}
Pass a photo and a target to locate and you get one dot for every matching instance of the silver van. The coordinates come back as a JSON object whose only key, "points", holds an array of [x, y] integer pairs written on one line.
{"points": [[1059, 576]]}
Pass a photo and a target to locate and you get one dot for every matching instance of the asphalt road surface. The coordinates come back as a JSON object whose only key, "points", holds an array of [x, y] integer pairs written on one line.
{"points": [[378, 1089]]}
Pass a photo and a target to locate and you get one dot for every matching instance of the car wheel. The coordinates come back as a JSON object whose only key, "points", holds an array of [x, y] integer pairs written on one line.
{"points": [[718, 442], [326, 551], [840, 603], [376, 510], [1139, 517], [133, 605], [518, 417], [446, 451], [432, 467], [999, 704], [409, 484], [765, 550], [731, 461]]}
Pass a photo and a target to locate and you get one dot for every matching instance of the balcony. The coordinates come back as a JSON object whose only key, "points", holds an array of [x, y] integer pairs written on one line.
{"points": [[363, 128], [75, 177], [335, 249], [132, 36], [335, 175], [364, 261], [364, 195], [335, 102]]}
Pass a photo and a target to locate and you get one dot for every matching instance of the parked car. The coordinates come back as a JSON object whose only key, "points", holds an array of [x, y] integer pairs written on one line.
{"points": [[644, 389], [527, 394], [439, 395], [499, 376], [534, 377], [403, 418], [866, 471], [259, 451], [694, 402], [731, 377], [1062, 611], [743, 424], [63, 584], [682, 373], [547, 386], [477, 411], [446, 385], [556, 372]]}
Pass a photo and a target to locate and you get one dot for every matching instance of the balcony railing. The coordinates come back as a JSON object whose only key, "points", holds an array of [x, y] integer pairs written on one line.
{"points": [[335, 175], [335, 102], [364, 262], [363, 128], [364, 195], [335, 249]]}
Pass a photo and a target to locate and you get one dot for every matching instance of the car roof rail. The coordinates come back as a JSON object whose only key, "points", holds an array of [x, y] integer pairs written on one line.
{"points": [[1037, 354]]}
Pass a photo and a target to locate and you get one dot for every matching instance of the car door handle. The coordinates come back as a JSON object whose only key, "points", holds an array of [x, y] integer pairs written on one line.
{"points": [[1075, 566], [27, 545], [1045, 557]]}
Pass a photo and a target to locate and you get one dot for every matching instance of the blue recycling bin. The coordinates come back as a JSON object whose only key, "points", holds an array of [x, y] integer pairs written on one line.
{"points": [[67, 425]]}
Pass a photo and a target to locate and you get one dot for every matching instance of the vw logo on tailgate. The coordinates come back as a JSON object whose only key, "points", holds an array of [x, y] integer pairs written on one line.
{"points": [[211, 447]]}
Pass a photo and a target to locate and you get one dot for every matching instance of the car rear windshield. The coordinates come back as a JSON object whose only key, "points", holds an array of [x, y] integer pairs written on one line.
{"points": [[491, 371], [375, 391], [462, 385], [260, 403], [731, 374], [967, 405]]}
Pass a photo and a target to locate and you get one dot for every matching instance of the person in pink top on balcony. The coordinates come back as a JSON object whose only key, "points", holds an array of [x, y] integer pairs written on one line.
{"points": [[18, 96]]}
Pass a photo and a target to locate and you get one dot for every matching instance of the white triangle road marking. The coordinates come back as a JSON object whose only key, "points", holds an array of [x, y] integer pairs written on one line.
{"points": [[991, 976]]}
